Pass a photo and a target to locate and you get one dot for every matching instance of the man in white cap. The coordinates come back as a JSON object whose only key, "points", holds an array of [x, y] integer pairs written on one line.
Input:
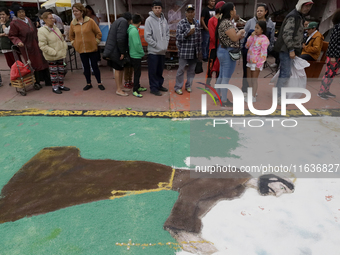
{"points": [[188, 41]]}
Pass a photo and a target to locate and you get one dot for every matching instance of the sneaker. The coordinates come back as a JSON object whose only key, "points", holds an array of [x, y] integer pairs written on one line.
{"points": [[87, 87], [156, 93], [329, 94], [189, 90], [128, 85], [142, 89], [101, 87], [136, 94], [163, 89], [323, 96], [273, 65], [179, 91]]}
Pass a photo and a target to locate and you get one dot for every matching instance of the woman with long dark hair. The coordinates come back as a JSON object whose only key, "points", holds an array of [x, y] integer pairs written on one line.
{"points": [[229, 37], [333, 59]]}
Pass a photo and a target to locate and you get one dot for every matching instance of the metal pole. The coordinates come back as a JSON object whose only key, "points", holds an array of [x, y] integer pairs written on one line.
{"points": [[115, 6], [255, 7], [38, 4], [107, 13]]}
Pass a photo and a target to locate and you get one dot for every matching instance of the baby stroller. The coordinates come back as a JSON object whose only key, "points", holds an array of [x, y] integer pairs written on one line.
{"points": [[22, 74]]}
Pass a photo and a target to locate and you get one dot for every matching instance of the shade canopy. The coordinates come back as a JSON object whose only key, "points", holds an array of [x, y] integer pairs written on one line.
{"points": [[57, 3]]}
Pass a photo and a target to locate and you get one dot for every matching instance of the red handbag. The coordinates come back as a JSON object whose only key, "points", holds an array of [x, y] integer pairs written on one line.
{"points": [[16, 67]]}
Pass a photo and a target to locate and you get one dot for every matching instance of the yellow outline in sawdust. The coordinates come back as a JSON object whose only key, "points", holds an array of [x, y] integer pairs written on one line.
{"points": [[161, 186], [171, 245], [165, 114]]}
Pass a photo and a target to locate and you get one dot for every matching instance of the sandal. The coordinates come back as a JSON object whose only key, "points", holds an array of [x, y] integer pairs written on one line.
{"points": [[122, 94]]}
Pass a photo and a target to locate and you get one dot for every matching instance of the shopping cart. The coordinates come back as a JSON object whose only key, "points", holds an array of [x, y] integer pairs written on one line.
{"points": [[25, 81]]}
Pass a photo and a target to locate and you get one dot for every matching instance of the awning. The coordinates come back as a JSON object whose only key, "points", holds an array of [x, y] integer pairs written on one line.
{"points": [[57, 3], [27, 1]]}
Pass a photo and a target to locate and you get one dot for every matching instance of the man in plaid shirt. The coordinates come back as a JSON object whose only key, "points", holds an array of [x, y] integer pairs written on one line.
{"points": [[188, 41]]}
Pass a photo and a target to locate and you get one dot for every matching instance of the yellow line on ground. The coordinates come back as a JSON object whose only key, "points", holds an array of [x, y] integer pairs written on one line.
{"points": [[165, 114]]}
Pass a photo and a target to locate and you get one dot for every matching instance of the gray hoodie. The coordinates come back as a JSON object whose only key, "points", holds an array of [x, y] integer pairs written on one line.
{"points": [[156, 34]]}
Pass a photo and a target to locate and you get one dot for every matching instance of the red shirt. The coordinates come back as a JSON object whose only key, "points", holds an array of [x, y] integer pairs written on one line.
{"points": [[212, 24]]}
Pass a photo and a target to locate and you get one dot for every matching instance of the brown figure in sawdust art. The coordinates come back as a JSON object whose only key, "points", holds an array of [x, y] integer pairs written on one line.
{"points": [[58, 177]]}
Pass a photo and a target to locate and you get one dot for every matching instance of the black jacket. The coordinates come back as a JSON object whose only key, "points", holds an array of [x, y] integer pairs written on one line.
{"points": [[117, 41]]}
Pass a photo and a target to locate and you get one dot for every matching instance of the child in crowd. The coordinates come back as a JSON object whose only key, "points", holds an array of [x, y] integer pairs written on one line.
{"points": [[128, 73], [257, 44], [136, 53]]}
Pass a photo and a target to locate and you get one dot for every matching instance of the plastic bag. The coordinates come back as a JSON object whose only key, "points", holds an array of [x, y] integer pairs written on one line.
{"points": [[298, 77], [24, 70]]}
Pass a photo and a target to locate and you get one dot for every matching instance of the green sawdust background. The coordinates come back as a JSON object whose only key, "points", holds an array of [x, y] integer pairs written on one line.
{"points": [[95, 228]]}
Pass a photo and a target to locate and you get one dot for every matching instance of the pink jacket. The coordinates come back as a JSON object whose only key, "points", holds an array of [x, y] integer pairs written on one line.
{"points": [[257, 53]]}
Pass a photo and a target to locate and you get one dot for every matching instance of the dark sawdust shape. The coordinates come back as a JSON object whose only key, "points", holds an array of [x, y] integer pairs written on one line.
{"points": [[58, 177]]}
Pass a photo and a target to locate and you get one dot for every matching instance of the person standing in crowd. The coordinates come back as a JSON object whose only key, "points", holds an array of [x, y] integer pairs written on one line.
{"points": [[213, 63], [262, 13], [128, 73], [257, 44], [289, 41], [174, 15], [136, 53], [5, 42], [311, 49], [24, 34], [333, 59], [156, 34], [116, 49], [188, 41], [58, 22], [85, 36], [90, 13], [54, 48], [207, 13], [229, 37]]}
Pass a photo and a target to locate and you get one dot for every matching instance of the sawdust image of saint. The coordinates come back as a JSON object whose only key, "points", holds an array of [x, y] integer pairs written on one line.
{"points": [[58, 177]]}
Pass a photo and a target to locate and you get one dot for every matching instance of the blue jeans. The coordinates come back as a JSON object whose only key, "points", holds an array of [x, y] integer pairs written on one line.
{"points": [[155, 70], [227, 68], [205, 44], [285, 71]]}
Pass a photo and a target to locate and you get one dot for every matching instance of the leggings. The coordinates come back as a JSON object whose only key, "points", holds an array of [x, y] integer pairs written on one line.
{"points": [[327, 79]]}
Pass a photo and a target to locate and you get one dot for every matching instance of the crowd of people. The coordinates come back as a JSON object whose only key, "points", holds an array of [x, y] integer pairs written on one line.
{"points": [[215, 39]]}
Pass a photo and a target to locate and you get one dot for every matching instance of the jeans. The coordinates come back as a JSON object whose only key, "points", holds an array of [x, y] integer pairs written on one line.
{"points": [[85, 59], [205, 44], [285, 71], [227, 68], [155, 69], [180, 73], [137, 68]]}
